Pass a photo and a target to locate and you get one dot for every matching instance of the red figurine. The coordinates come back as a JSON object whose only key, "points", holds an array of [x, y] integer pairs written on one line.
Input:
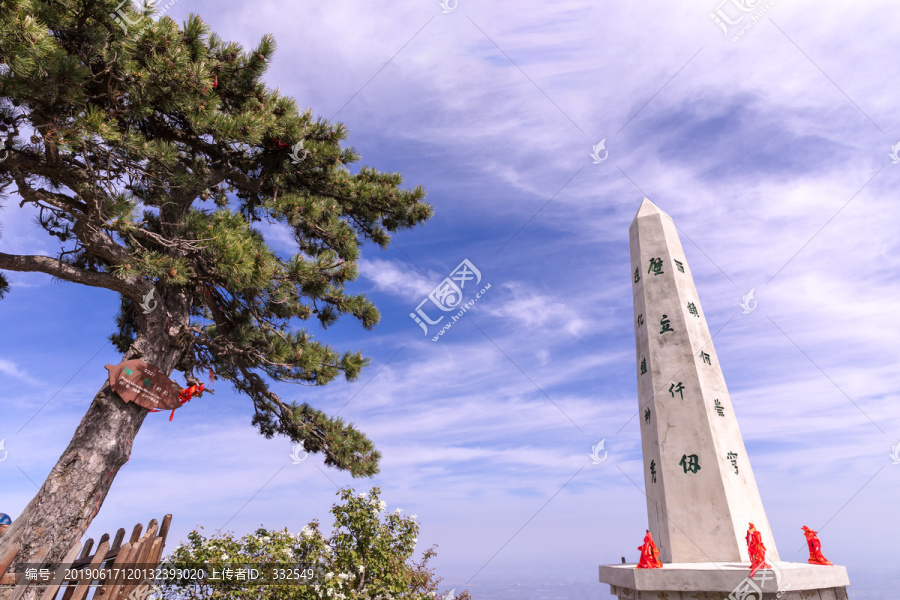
{"points": [[815, 547], [756, 550], [649, 554]]}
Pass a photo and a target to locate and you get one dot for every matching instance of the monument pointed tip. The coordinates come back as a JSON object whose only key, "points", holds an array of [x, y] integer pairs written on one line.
{"points": [[648, 208]]}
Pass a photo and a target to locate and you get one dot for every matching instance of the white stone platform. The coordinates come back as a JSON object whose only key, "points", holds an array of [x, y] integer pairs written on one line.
{"points": [[715, 581]]}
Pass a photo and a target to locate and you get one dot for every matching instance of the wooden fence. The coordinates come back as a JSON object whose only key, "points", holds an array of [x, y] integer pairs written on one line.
{"points": [[144, 551]]}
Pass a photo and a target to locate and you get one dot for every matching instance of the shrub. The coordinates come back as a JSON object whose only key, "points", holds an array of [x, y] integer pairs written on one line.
{"points": [[368, 556]]}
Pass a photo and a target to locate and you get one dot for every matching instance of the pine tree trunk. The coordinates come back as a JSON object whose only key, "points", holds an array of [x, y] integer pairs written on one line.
{"points": [[74, 491]]}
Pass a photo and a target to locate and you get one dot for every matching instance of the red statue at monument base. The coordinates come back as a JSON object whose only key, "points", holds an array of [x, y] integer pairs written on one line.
{"points": [[756, 550], [815, 547], [649, 554]]}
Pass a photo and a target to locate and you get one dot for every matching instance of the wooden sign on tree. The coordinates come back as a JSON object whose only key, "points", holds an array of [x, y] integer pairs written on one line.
{"points": [[144, 384]]}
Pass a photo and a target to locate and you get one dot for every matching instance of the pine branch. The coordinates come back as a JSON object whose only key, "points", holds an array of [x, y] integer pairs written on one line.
{"points": [[130, 286]]}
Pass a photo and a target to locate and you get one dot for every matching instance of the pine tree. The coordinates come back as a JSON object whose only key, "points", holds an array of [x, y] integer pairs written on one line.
{"points": [[150, 150]]}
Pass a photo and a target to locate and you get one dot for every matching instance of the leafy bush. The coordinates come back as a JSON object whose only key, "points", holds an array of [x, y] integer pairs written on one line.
{"points": [[368, 556]]}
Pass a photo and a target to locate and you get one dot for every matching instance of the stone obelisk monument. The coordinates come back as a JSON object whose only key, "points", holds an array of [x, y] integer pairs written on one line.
{"points": [[701, 493], [689, 432]]}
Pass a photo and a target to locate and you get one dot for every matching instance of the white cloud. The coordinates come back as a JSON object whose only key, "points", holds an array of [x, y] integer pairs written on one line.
{"points": [[401, 280], [536, 311], [11, 369]]}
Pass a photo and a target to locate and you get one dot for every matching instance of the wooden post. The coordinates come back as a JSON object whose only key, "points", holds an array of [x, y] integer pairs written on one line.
{"points": [[53, 588]]}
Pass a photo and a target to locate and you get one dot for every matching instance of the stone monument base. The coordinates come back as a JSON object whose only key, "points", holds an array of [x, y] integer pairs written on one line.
{"points": [[726, 581]]}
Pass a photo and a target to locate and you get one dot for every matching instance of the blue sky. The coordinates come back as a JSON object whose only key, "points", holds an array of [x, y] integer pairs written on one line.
{"points": [[771, 153]]}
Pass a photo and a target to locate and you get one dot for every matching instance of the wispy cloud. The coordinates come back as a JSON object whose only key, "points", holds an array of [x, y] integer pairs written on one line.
{"points": [[401, 280], [11, 369], [536, 311]]}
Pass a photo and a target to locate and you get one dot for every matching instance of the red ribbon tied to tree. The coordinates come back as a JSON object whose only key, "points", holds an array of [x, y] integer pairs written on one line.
{"points": [[186, 394]]}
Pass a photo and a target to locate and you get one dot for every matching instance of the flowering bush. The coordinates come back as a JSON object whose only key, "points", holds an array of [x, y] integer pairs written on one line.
{"points": [[368, 556]]}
